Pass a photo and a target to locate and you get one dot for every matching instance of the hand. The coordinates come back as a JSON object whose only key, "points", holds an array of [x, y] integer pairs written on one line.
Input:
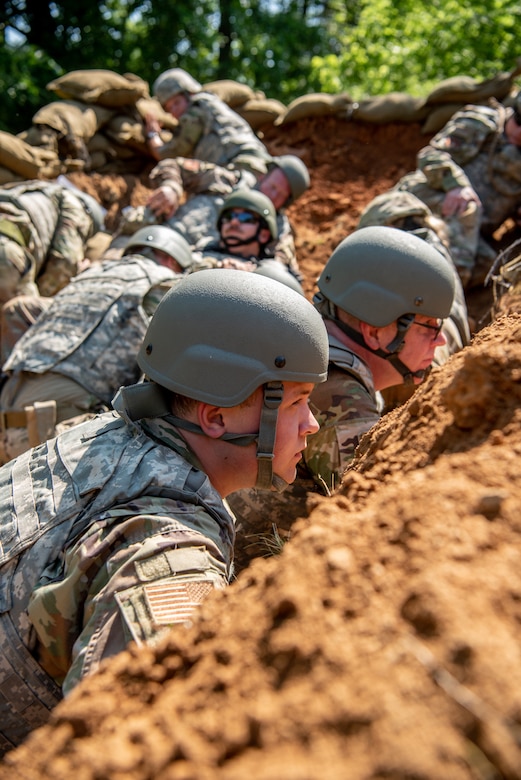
{"points": [[457, 200], [238, 265], [163, 202]]}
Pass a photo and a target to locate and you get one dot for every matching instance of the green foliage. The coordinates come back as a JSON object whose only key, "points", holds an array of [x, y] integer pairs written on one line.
{"points": [[404, 46], [285, 48]]}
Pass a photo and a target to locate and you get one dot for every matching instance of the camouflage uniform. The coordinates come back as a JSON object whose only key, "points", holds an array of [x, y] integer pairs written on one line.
{"points": [[43, 231], [471, 150], [110, 533], [210, 130], [201, 188], [82, 348]]}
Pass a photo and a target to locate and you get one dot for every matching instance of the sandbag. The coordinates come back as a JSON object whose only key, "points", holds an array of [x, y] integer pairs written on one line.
{"points": [[439, 116], [8, 177], [104, 87], [393, 107], [233, 93], [29, 162], [70, 117], [464, 89], [259, 112], [317, 104]]}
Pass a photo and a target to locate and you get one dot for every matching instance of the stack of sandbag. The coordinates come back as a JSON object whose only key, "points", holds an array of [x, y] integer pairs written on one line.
{"points": [[252, 105], [452, 94], [317, 104], [20, 161]]}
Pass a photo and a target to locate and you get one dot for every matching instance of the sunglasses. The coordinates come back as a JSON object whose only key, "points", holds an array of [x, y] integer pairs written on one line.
{"points": [[517, 118], [435, 328], [244, 217]]}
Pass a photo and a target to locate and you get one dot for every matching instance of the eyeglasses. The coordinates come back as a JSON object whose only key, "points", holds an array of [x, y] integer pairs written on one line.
{"points": [[435, 328], [241, 216], [516, 116]]}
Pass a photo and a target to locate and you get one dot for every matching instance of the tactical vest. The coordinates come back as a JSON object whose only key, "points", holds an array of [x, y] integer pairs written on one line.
{"points": [[93, 329], [49, 496], [226, 135]]}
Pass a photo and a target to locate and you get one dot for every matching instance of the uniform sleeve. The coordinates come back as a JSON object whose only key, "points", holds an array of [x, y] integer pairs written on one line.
{"points": [[131, 578], [185, 137], [345, 410], [456, 144], [67, 247]]}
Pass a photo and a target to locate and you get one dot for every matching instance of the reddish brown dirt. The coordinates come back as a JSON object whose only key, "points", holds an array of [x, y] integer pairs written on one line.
{"points": [[385, 641]]}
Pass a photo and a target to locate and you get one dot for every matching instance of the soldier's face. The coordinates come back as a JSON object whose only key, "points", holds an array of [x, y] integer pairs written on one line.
{"points": [[275, 186], [513, 131], [176, 105], [421, 340], [295, 423]]}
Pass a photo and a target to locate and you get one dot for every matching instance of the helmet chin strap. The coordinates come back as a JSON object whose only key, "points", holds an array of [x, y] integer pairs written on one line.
{"points": [[394, 347], [265, 438], [233, 241]]}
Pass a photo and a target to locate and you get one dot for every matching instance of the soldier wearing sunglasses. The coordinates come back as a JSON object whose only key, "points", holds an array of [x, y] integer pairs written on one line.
{"points": [[247, 223]]}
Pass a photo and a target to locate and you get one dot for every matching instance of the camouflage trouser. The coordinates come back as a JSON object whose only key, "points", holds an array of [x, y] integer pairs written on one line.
{"points": [[17, 270]]}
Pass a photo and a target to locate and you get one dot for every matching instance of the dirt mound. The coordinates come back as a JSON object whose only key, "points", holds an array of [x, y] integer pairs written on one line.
{"points": [[384, 641]]}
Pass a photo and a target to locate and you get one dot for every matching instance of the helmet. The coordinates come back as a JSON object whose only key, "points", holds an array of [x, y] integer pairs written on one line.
{"points": [[173, 81], [276, 270], [244, 330], [393, 205], [252, 200], [296, 173], [164, 238], [379, 274], [94, 209]]}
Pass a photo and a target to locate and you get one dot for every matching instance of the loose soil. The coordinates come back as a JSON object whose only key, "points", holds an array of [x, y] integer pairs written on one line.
{"points": [[384, 641]]}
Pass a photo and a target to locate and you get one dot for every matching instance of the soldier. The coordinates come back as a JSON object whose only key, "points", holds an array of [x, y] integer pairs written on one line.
{"points": [[118, 529], [405, 211], [470, 176], [383, 295], [208, 129], [247, 223], [203, 187], [44, 227], [83, 346]]}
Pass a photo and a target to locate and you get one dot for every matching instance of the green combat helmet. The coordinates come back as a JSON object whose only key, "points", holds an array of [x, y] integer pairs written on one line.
{"points": [[391, 206], [164, 238], [246, 331], [173, 82], [276, 270], [381, 275], [296, 173], [251, 200], [93, 208]]}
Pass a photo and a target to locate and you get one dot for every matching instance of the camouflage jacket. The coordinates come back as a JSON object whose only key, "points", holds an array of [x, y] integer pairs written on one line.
{"points": [[55, 227], [346, 407], [94, 327], [110, 532], [210, 130], [472, 149]]}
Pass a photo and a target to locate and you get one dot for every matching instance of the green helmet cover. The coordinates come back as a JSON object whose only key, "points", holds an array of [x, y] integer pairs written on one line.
{"points": [[164, 238], [379, 274], [296, 173], [251, 200], [220, 334], [172, 82]]}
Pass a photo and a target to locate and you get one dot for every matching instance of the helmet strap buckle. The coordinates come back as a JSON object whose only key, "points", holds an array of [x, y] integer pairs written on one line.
{"points": [[273, 394]]}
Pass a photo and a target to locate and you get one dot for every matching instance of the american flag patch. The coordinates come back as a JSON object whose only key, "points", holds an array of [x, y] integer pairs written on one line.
{"points": [[174, 602]]}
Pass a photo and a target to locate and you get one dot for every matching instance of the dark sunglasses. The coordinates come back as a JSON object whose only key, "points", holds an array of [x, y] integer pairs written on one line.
{"points": [[517, 118], [241, 216], [435, 328]]}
